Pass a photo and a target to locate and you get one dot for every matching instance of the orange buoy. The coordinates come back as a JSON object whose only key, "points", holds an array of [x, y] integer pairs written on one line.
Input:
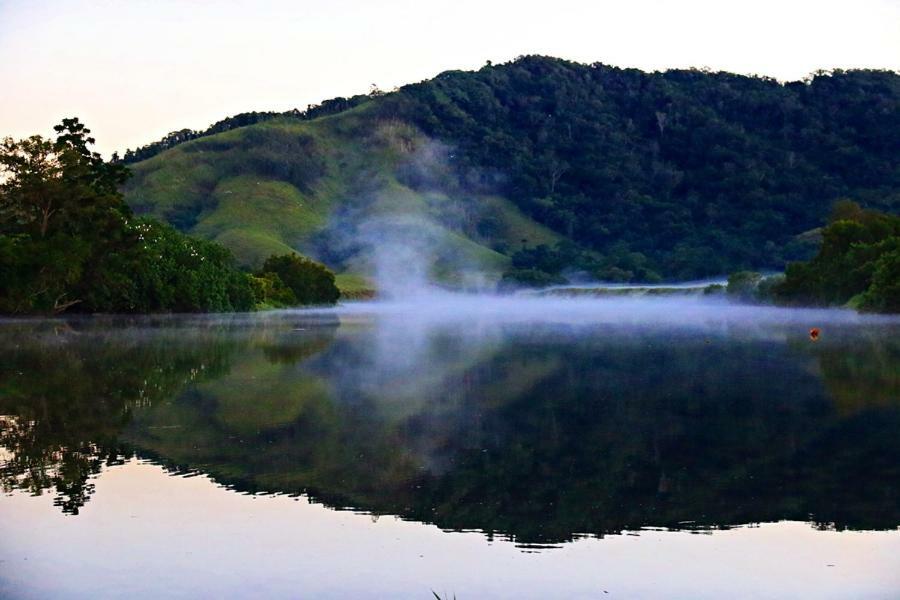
{"points": [[814, 333]]}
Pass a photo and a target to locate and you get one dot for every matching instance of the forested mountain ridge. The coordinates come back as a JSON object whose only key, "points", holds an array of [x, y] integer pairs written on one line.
{"points": [[679, 174]]}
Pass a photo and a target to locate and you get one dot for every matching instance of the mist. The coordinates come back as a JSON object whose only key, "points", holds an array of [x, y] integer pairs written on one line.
{"points": [[431, 305]]}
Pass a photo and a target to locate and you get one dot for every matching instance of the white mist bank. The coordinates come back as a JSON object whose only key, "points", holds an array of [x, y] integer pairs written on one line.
{"points": [[410, 346], [435, 305], [600, 285]]}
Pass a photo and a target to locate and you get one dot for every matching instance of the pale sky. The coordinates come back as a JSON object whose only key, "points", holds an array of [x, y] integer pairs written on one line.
{"points": [[134, 70]]}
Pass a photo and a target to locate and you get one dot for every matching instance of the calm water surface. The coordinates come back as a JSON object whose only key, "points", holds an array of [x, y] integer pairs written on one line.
{"points": [[473, 446]]}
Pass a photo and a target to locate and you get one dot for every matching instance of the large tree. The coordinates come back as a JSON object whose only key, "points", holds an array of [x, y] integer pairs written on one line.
{"points": [[69, 240], [61, 218]]}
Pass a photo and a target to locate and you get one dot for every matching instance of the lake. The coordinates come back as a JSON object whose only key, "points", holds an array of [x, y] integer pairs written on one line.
{"points": [[470, 446]]}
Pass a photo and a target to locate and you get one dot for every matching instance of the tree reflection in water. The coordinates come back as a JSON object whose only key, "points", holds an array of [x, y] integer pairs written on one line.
{"points": [[539, 434]]}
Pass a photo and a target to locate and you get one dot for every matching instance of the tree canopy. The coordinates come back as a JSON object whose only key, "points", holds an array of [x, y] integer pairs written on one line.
{"points": [[858, 263], [700, 173], [68, 240], [307, 281]]}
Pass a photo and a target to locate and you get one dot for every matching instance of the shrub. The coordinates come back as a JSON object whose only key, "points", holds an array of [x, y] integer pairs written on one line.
{"points": [[529, 278], [310, 282], [269, 290]]}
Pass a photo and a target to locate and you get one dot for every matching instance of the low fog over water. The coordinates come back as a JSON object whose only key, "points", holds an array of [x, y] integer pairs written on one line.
{"points": [[433, 306]]}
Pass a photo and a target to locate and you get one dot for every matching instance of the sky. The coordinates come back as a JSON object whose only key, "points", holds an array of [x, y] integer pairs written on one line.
{"points": [[134, 70]]}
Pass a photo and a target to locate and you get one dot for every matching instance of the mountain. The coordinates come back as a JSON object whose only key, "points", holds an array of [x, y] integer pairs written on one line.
{"points": [[679, 174]]}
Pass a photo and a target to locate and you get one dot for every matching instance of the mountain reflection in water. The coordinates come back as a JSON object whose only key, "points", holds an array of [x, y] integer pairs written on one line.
{"points": [[539, 429]]}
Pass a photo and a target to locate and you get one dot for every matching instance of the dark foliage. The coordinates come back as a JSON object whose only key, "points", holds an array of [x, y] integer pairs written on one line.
{"points": [[529, 278], [269, 290], [859, 262], [702, 173], [568, 259], [69, 242], [309, 282]]}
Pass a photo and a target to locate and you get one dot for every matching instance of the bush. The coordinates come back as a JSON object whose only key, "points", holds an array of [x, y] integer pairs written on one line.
{"points": [[529, 278], [269, 290], [765, 290], [310, 282], [883, 294], [743, 284], [174, 272], [856, 264]]}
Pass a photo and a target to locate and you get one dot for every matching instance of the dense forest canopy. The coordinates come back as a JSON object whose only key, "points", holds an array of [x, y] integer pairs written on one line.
{"points": [[676, 174], [697, 172]]}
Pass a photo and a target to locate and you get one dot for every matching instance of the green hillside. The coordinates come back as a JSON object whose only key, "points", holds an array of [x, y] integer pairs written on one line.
{"points": [[311, 185], [680, 174]]}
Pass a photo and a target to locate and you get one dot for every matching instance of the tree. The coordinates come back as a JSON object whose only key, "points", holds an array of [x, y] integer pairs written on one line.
{"points": [[743, 284], [311, 282], [883, 294], [61, 215], [269, 290], [528, 278], [69, 241], [856, 264]]}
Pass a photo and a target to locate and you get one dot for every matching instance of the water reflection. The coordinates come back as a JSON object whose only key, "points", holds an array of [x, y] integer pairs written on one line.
{"points": [[540, 430]]}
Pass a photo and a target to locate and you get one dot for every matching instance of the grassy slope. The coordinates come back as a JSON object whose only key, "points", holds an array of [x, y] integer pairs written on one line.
{"points": [[258, 192]]}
